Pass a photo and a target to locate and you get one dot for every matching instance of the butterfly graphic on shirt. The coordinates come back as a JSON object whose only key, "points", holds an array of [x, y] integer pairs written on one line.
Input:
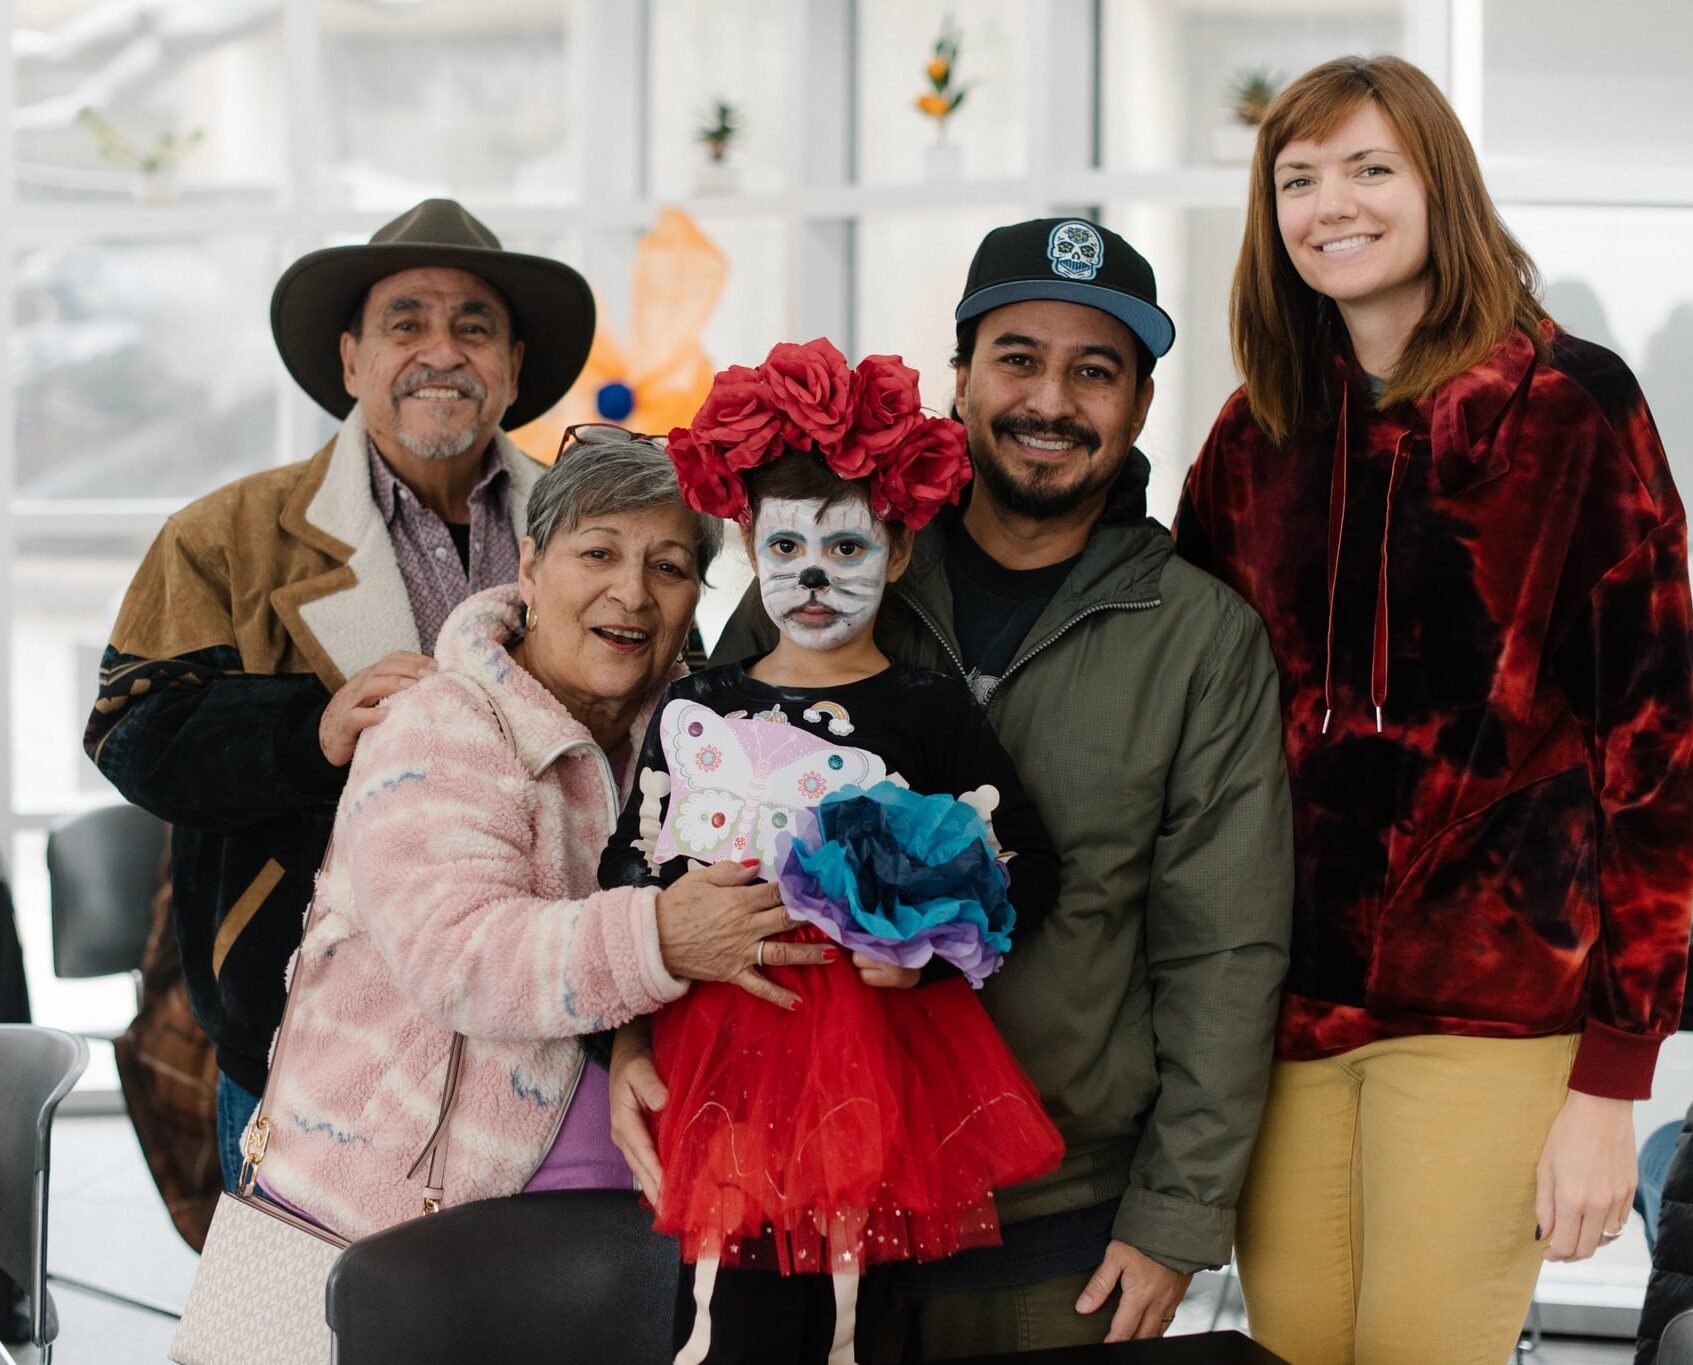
{"points": [[736, 784]]}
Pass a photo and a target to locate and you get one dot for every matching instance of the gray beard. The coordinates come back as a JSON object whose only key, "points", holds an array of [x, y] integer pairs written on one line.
{"points": [[443, 447]]}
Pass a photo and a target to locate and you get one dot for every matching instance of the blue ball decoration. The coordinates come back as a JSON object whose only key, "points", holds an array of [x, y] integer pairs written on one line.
{"points": [[615, 401]]}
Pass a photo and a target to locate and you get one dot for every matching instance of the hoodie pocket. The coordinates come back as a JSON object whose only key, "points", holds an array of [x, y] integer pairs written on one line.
{"points": [[1496, 917]]}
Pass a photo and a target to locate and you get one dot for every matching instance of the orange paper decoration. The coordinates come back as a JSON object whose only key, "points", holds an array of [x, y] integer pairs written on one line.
{"points": [[665, 374]]}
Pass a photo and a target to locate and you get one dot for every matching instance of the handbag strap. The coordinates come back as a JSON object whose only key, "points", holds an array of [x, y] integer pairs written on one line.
{"points": [[434, 1153]]}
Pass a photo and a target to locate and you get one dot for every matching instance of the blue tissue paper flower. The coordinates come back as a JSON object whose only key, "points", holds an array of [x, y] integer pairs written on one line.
{"points": [[900, 877]]}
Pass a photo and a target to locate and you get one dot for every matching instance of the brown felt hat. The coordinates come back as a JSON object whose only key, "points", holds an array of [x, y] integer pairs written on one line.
{"points": [[552, 308]]}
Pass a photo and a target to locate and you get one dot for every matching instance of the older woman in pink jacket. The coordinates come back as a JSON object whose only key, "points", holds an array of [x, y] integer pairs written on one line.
{"points": [[459, 895]]}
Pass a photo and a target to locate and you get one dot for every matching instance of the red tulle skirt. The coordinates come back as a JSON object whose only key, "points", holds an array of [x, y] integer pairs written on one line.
{"points": [[867, 1125]]}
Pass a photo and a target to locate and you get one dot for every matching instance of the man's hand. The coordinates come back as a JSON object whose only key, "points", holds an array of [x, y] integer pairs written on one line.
{"points": [[636, 1095], [1584, 1184], [1151, 1293], [354, 707]]}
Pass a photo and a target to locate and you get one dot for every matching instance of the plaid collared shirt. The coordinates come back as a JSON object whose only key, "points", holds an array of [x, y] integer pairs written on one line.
{"points": [[436, 581]]}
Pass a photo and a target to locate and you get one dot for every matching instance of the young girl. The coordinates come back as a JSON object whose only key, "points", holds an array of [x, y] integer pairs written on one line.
{"points": [[867, 1123], [1459, 527]]}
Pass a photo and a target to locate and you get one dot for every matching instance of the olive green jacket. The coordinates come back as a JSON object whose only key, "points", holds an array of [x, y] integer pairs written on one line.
{"points": [[1142, 713]]}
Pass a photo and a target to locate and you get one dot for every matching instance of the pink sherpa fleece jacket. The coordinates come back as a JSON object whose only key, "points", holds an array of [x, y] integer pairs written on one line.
{"points": [[459, 895]]}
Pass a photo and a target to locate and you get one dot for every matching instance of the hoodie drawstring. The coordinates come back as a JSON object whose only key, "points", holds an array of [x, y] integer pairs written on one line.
{"points": [[1378, 643], [1337, 530]]}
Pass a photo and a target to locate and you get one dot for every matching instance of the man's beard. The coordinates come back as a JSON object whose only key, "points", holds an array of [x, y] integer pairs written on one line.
{"points": [[445, 446], [440, 445], [1039, 492]]}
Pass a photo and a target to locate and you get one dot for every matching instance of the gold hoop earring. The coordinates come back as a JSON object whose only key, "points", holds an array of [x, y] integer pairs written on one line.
{"points": [[529, 619]]}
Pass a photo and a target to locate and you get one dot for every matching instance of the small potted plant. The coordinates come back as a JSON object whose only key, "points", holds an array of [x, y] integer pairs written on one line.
{"points": [[717, 133], [154, 166], [1250, 94], [944, 160]]}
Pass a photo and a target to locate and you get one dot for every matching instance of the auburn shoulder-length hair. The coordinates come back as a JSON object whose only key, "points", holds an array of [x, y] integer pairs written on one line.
{"points": [[1482, 283]]}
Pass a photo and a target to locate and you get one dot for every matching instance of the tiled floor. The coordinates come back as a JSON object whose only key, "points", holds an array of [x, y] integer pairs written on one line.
{"points": [[108, 1228]]}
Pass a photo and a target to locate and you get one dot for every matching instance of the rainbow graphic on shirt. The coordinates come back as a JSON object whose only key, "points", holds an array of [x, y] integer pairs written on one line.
{"points": [[840, 723]]}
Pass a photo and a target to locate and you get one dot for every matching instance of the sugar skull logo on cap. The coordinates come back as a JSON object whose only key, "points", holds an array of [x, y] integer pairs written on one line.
{"points": [[1075, 250]]}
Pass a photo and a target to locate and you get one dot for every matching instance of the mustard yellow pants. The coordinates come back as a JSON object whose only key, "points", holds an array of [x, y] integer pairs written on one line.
{"points": [[1388, 1215]]}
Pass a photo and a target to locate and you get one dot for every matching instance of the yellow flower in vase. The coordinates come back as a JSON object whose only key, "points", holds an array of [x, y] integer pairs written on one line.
{"points": [[942, 99]]}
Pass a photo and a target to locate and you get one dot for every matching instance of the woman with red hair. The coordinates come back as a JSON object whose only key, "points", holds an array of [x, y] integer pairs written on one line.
{"points": [[1459, 527]]}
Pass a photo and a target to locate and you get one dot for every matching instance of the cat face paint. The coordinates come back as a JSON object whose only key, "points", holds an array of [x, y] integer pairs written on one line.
{"points": [[821, 572]]}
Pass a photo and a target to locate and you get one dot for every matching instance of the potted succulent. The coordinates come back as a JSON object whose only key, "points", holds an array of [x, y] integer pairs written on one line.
{"points": [[943, 160], [154, 166], [717, 133], [1250, 94]]}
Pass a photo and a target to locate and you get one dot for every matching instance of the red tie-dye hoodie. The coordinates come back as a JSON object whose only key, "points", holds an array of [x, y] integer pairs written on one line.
{"points": [[1480, 614]]}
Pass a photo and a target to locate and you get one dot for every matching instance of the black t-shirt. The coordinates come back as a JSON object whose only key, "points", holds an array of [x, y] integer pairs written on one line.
{"points": [[993, 607], [460, 532]]}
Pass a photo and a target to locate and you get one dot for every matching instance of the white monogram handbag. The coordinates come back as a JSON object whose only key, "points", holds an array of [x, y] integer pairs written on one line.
{"points": [[258, 1295]]}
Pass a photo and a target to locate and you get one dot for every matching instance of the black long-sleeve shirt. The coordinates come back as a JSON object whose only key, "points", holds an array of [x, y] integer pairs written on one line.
{"points": [[924, 726]]}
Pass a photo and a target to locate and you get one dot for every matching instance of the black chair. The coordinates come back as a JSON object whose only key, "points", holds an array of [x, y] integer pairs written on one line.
{"points": [[1198, 1348], [38, 1067], [1675, 1346], [557, 1278], [102, 872]]}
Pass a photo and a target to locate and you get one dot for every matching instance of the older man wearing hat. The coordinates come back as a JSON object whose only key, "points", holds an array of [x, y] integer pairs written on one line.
{"points": [[1138, 698], [271, 617]]}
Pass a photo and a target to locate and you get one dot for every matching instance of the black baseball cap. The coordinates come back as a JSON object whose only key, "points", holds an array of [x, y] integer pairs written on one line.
{"points": [[1074, 261]]}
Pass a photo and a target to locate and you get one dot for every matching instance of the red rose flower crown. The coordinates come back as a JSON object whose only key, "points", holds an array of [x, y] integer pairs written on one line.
{"points": [[866, 422]]}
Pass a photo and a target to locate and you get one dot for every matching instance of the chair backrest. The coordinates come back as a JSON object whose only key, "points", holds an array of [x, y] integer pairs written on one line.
{"points": [[102, 871], [38, 1067], [555, 1278], [1675, 1346]]}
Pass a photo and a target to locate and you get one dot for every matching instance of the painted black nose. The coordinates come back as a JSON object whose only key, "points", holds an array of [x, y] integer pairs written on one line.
{"points": [[813, 578]]}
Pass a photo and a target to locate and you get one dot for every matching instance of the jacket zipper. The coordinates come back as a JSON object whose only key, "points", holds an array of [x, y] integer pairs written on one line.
{"points": [[1018, 662], [929, 621], [1022, 659], [558, 1123]]}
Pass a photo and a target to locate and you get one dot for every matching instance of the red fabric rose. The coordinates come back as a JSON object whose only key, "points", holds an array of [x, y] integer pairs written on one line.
{"points": [[739, 419], [885, 407], [927, 471], [707, 482], [813, 388]]}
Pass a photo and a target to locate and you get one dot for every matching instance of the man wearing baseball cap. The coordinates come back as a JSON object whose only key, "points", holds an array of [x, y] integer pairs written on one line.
{"points": [[271, 617], [1139, 700]]}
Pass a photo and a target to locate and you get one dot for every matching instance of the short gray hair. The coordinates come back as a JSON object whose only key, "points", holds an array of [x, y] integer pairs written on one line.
{"points": [[605, 478]]}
